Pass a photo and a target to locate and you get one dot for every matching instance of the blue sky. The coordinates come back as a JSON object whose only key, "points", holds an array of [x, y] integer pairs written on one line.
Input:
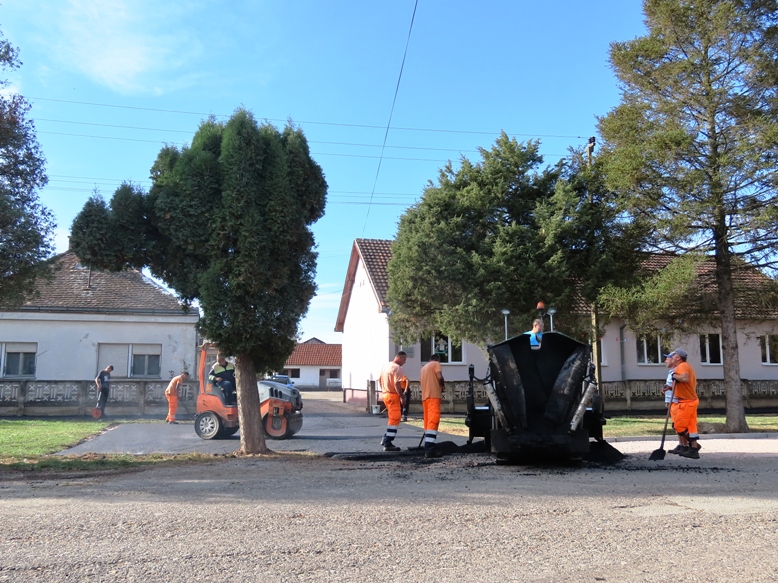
{"points": [[111, 81]]}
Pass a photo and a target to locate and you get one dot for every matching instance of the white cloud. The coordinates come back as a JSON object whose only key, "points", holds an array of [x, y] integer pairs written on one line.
{"points": [[130, 46]]}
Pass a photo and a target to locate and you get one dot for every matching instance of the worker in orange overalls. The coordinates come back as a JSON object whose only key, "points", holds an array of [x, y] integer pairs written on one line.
{"points": [[171, 394], [392, 394], [432, 387], [683, 409], [406, 385]]}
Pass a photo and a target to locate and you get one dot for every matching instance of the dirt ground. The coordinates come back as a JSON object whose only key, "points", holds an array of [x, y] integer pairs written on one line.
{"points": [[299, 517]]}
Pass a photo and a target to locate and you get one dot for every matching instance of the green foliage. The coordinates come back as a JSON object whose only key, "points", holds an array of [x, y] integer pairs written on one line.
{"points": [[694, 143], [26, 227], [695, 140], [502, 234], [592, 240], [226, 223], [664, 301], [472, 246]]}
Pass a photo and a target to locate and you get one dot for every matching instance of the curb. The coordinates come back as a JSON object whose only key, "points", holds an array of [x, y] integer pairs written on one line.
{"points": [[703, 436]]}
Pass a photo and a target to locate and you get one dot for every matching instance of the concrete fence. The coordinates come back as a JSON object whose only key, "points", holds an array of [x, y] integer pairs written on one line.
{"points": [[135, 397], [61, 398], [638, 396]]}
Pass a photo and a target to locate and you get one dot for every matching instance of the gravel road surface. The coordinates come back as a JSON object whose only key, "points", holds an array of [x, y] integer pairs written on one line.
{"points": [[296, 516]]}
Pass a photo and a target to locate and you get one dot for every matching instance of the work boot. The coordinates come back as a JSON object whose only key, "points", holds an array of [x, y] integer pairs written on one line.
{"points": [[391, 447], [677, 449], [433, 453], [690, 452], [405, 418]]}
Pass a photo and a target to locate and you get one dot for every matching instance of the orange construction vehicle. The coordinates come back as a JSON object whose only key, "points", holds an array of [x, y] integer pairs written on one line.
{"points": [[280, 408]]}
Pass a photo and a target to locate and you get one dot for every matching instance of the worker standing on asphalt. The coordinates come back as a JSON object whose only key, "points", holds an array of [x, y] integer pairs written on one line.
{"points": [[684, 411], [406, 385], [392, 394], [432, 387], [172, 393]]}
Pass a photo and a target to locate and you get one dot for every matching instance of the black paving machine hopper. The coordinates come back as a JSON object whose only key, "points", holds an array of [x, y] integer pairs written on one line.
{"points": [[543, 400]]}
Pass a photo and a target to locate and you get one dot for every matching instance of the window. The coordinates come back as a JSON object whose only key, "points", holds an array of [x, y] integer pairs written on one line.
{"points": [[19, 364], [650, 349], [18, 359], [292, 373], [710, 348], [450, 351], [603, 357], [145, 365], [769, 344]]}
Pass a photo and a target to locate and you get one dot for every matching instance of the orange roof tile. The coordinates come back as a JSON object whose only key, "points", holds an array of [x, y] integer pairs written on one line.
{"points": [[315, 355], [375, 255]]}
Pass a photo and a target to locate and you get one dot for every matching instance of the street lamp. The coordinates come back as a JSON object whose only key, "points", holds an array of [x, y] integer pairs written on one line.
{"points": [[551, 312], [505, 312]]}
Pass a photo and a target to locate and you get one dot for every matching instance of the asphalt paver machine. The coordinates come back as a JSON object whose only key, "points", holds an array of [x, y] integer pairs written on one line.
{"points": [[542, 400]]}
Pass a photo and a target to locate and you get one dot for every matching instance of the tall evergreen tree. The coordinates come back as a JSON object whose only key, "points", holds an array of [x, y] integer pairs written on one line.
{"points": [[694, 142], [472, 246], [226, 223], [26, 227]]}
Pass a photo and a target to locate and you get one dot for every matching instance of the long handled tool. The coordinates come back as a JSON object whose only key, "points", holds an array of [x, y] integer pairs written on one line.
{"points": [[418, 447], [659, 454]]}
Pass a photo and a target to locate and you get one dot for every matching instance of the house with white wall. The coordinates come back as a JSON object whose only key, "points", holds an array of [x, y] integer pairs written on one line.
{"points": [[367, 339], [314, 365], [632, 367], [53, 346]]}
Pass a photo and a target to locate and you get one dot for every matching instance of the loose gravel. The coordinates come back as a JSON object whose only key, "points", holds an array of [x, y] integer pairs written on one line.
{"points": [[294, 517]]}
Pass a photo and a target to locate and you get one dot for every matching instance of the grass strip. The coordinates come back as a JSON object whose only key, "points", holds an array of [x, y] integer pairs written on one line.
{"points": [[624, 426]]}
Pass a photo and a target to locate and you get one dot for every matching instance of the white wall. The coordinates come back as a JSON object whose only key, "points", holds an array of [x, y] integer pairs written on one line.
{"points": [[366, 343], [68, 342], [749, 352], [471, 354]]}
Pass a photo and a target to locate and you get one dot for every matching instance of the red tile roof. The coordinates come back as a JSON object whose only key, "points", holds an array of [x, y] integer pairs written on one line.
{"points": [[374, 254], [749, 282], [74, 289], [315, 355]]}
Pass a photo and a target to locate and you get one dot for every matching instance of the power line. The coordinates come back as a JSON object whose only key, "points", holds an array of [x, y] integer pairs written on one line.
{"points": [[391, 112], [325, 123], [105, 125]]}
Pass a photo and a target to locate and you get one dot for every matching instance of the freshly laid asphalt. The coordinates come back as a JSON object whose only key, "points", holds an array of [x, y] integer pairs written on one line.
{"points": [[333, 427], [329, 426]]}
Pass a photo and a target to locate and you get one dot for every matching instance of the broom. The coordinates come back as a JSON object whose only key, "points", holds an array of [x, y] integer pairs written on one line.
{"points": [[659, 454]]}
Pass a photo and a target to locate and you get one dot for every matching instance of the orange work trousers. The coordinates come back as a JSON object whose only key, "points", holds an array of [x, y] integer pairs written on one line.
{"points": [[684, 415], [172, 407], [431, 413], [393, 408]]}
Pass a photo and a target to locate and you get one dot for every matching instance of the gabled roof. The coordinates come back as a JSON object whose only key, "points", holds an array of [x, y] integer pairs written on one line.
{"points": [[315, 355], [750, 285], [374, 255], [75, 288]]}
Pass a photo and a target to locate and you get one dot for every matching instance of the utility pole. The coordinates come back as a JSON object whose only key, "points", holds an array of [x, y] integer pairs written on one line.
{"points": [[590, 151], [595, 316]]}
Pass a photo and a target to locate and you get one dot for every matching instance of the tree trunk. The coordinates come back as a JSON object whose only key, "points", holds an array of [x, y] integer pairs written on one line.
{"points": [[595, 345], [252, 436], [736, 415]]}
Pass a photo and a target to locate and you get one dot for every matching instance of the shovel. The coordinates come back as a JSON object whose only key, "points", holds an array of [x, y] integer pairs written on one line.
{"points": [[659, 454], [418, 447]]}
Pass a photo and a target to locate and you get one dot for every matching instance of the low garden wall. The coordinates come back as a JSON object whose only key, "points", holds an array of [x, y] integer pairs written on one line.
{"points": [[61, 398], [638, 396]]}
